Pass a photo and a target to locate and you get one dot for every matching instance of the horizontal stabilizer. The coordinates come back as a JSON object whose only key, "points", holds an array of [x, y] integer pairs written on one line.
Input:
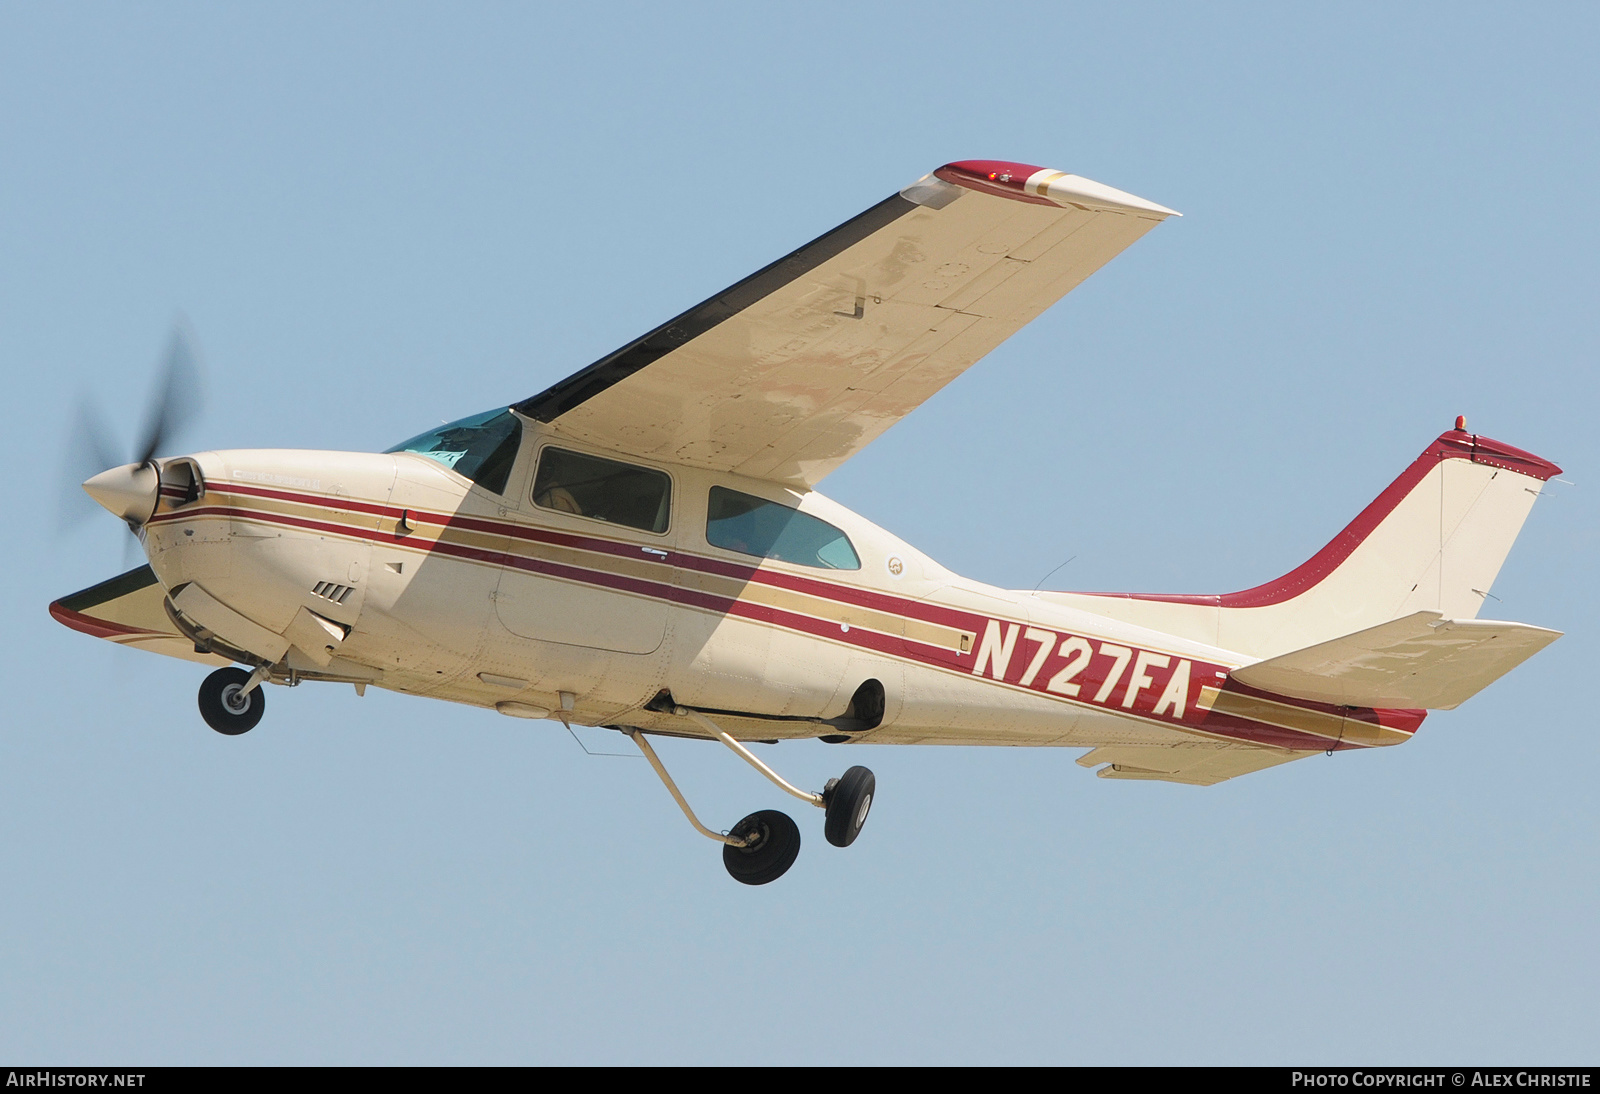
{"points": [[1423, 661], [1197, 763]]}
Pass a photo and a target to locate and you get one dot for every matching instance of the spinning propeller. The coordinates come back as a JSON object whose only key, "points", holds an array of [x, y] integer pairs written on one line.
{"points": [[130, 491]]}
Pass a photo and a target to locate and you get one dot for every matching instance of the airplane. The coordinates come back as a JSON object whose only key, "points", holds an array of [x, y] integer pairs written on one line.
{"points": [[641, 547]]}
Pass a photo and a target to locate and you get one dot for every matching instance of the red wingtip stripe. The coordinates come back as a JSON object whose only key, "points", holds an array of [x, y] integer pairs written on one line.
{"points": [[998, 177], [88, 624]]}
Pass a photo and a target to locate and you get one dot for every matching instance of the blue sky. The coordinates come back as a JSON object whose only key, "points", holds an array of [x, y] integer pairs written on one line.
{"points": [[380, 216]]}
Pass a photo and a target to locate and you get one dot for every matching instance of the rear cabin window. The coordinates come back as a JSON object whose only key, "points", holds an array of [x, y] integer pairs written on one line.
{"points": [[755, 526], [617, 493]]}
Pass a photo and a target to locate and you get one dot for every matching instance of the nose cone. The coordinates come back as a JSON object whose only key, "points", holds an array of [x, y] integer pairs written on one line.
{"points": [[129, 491]]}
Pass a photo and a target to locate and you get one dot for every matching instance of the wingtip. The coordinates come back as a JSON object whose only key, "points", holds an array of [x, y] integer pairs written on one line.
{"points": [[1044, 186]]}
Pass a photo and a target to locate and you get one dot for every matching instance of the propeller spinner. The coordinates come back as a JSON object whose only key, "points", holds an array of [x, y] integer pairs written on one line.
{"points": [[130, 491]]}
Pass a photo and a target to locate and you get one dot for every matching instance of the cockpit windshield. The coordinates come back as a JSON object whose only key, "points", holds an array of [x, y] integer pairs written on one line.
{"points": [[482, 447]]}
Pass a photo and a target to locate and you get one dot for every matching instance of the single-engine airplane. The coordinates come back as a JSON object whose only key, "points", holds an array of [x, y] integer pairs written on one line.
{"points": [[641, 547]]}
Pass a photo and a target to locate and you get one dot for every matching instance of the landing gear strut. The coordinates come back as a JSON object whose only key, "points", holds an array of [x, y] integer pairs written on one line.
{"points": [[763, 846], [231, 701]]}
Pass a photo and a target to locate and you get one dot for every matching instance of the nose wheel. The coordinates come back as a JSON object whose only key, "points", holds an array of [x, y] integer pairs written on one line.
{"points": [[231, 701]]}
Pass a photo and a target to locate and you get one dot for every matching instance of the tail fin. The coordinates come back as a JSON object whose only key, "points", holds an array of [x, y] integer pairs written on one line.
{"points": [[1433, 541]]}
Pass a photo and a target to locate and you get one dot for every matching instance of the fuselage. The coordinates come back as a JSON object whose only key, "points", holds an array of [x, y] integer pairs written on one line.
{"points": [[395, 571]]}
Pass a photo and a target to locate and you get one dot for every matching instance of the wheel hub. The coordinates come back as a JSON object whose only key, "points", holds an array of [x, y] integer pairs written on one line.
{"points": [[234, 699]]}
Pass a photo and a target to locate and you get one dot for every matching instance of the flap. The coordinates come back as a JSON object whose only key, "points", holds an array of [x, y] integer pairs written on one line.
{"points": [[1423, 661]]}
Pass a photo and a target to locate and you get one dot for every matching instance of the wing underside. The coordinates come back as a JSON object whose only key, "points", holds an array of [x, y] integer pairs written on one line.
{"points": [[129, 610], [790, 372]]}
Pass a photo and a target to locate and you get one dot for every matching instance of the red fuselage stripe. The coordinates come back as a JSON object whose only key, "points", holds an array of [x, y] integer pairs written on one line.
{"points": [[845, 594], [892, 645]]}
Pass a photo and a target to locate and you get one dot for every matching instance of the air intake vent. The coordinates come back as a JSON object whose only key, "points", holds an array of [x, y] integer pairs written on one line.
{"points": [[180, 483], [329, 591]]}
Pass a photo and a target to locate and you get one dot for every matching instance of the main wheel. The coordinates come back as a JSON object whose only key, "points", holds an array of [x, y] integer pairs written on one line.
{"points": [[224, 705], [774, 844], [848, 800]]}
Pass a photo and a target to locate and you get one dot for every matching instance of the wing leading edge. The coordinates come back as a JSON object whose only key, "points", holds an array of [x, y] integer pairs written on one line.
{"points": [[793, 370]]}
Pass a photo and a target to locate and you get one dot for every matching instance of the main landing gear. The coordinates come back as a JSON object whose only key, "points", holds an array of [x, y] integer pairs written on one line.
{"points": [[231, 701], [763, 846]]}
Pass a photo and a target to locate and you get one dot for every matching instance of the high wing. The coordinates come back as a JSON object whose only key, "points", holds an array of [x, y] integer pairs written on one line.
{"points": [[793, 370]]}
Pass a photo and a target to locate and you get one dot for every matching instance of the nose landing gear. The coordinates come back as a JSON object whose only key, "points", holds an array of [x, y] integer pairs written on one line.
{"points": [[231, 701], [763, 846]]}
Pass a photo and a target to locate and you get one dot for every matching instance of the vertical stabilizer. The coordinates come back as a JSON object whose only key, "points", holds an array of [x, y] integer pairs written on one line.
{"points": [[1433, 541]]}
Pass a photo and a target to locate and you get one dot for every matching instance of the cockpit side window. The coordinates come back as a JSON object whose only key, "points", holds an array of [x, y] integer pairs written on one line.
{"points": [[482, 447], [755, 526], [601, 489]]}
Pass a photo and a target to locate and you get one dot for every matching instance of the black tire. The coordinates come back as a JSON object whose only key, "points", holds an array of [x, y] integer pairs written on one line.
{"points": [[848, 800], [774, 845], [221, 706]]}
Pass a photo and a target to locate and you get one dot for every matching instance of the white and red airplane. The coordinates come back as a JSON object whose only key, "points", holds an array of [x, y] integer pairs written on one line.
{"points": [[641, 547]]}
